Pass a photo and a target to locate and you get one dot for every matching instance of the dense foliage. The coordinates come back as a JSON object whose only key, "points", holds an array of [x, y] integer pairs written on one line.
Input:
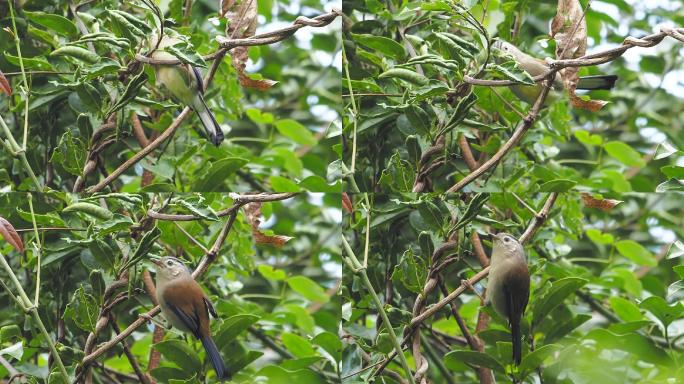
{"points": [[86, 91], [411, 114], [605, 297], [278, 315]]}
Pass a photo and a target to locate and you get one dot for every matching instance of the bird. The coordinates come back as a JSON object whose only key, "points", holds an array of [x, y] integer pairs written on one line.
{"points": [[185, 85], [508, 288], [186, 307], [536, 67]]}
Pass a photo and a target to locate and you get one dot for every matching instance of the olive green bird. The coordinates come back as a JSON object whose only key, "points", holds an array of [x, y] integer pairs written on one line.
{"points": [[185, 85], [536, 67]]}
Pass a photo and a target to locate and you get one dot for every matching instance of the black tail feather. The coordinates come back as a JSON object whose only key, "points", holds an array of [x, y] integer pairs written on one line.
{"points": [[516, 338], [215, 133], [215, 357]]}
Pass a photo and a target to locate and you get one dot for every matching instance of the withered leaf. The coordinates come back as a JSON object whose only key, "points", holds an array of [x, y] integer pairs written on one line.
{"points": [[252, 214], [5, 85], [602, 204], [10, 235], [569, 29], [347, 203]]}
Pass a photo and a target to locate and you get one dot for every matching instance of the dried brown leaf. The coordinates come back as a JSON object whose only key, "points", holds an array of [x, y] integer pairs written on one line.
{"points": [[248, 82], [253, 215], [242, 22], [347, 203], [602, 204], [569, 29], [10, 235], [589, 105], [5, 85]]}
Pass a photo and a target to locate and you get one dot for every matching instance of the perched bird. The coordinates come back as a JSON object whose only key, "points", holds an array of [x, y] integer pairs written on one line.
{"points": [[184, 83], [509, 285], [536, 67], [185, 306]]}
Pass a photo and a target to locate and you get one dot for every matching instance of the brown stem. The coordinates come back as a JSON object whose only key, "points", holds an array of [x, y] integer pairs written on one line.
{"points": [[508, 145], [127, 351]]}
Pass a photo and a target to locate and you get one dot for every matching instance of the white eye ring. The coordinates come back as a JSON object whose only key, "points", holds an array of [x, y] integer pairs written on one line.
{"points": [[169, 263]]}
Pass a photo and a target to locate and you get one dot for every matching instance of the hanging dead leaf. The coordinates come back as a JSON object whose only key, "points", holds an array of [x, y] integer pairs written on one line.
{"points": [[242, 19], [589, 105], [569, 29], [248, 82], [253, 215], [10, 235], [5, 85], [602, 204], [347, 203]]}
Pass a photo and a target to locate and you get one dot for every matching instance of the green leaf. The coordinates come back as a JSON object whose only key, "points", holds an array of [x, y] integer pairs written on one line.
{"points": [[673, 171], [233, 326], [625, 309], [37, 62], [279, 375], [308, 288], [587, 138], [90, 210], [57, 23], [9, 332], [555, 296], [15, 350], [384, 45], [77, 53], [635, 252], [82, 310], [330, 342], [534, 359], [600, 238], [662, 311], [295, 131], [315, 183], [70, 154], [181, 354], [472, 210], [406, 75], [510, 71], [269, 273], [557, 185], [166, 374], [214, 176], [474, 358], [299, 346], [624, 153], [143, 248], [283, 184]]}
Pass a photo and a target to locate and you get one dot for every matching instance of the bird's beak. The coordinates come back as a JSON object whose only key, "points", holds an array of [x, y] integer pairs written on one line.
{"points": [[156, 262], [490, 235]]}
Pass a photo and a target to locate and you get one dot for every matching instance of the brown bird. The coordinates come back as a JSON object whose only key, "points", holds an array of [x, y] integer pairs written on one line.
{"points": [[185, 306], [509, 285]]}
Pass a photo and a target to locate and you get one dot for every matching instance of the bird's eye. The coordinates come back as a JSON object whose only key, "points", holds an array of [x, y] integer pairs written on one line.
{"points": [[507, 239], [169, 263]]}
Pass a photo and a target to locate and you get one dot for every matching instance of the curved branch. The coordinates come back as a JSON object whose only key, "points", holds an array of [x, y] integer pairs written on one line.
{"points": [[517, 135]]}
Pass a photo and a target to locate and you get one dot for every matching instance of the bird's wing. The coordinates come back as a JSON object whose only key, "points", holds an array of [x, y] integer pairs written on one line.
{"points": [[198, 79], [517, 291], [180, 298], [210, 307]]}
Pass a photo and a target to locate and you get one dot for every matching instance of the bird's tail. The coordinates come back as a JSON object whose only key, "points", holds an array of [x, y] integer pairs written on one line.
{"points": [[209, 122], [215, 358], [597, 82], [516, 338]]}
